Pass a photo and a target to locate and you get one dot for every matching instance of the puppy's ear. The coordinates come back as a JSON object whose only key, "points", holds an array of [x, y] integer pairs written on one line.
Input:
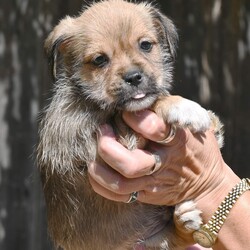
{"points": [[57, 42], [166, 30]]}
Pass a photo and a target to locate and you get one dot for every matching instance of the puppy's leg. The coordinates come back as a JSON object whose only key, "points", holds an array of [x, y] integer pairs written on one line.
{"points": [[186, 113], [187, 219]]}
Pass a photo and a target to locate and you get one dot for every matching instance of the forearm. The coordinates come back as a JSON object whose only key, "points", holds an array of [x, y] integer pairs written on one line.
{"points": [[235, 232]]}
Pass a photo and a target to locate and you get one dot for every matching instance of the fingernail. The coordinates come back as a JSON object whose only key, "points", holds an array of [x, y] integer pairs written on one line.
{"points": [[139, 113], [90, 166], [134, 115], [105, 129]]}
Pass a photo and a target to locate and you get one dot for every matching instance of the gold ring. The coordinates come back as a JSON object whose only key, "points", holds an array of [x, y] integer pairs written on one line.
{"points": [[170, 136], [157, 164]]}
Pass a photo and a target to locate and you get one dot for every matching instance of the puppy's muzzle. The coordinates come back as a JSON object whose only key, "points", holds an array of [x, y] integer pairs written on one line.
{"points": [[133, 77]]}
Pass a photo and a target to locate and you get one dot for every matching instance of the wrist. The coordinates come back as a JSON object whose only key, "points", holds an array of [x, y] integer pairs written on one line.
{"points": [[209, 201], [219, 230]]}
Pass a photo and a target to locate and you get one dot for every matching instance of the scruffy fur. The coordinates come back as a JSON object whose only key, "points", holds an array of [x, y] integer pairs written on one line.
{"points": [[114, 56]]}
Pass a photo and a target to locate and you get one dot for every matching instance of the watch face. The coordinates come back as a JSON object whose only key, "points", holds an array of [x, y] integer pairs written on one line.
{"points": [[203, 238]]}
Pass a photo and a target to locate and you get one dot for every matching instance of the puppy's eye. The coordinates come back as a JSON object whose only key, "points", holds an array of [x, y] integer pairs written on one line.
{"points": [[146, 46], [100, 60]]}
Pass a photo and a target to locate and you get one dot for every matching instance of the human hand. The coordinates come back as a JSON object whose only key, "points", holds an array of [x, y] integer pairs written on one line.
{"points": [[192, 165]]}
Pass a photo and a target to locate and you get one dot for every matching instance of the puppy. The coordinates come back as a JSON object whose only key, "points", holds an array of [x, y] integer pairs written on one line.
{"points": [[114, 56]]}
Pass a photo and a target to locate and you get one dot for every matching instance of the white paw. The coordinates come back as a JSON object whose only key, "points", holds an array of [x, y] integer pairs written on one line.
{"points": [[188, 216], [186, 113]]}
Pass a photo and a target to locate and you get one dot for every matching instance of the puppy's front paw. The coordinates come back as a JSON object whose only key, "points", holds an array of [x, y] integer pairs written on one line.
{"points": [[183, 113], [186, 113], [187, 217]]}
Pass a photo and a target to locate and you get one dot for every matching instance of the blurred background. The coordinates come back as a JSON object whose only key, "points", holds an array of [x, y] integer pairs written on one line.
{"points": [[212, 68]]}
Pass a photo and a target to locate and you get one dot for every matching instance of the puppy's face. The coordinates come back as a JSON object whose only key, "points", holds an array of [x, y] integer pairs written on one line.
{"points": [[117, 54]]}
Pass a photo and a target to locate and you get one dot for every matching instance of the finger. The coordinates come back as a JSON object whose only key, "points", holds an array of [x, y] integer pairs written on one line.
{"points": [[107, 193], [152, 127], [142, 196], [115, 182], [130, 164], [158, 189], [148, 124]]}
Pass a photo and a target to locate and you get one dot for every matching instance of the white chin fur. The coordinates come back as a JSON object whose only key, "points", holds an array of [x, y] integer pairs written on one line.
{"points": [[139, 104]]}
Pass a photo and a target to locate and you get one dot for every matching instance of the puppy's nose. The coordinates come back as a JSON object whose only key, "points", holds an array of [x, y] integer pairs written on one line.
{"points": [[133, 77]]}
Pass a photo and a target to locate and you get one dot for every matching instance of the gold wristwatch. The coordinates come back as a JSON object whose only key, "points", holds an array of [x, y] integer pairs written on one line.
{"points": [[207, 234]]}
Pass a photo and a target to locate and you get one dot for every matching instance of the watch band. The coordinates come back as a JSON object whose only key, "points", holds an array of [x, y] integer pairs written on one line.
{"points": [[207, 234]]}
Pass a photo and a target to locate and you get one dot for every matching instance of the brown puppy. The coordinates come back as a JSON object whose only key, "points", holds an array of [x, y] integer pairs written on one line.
{"points": [[115, 56]]}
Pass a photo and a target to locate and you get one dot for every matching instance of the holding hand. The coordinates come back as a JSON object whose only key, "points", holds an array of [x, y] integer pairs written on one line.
{"points": [[190, 167]]}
